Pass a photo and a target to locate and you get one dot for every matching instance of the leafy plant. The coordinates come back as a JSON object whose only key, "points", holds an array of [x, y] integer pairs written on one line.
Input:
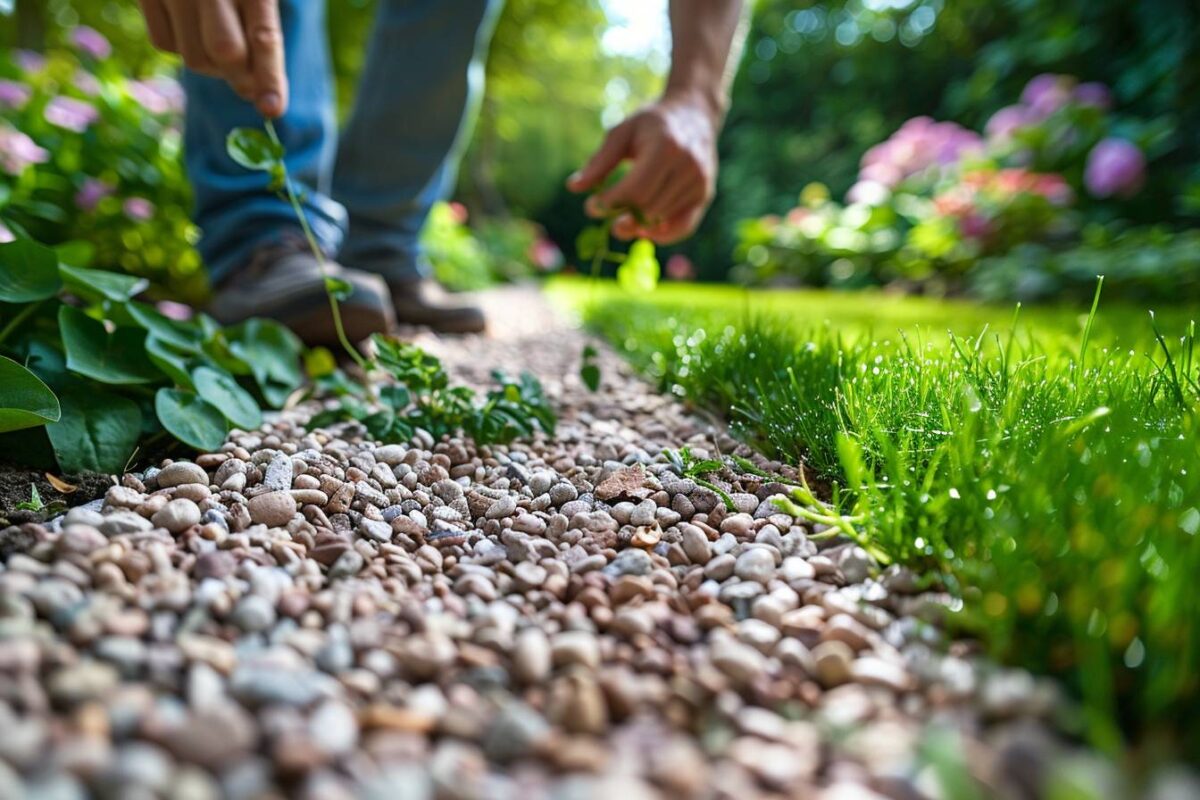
{"points": [[589, 370], [34, 503], [688, 465], [421, 395], [423, 398], [98, 371]]}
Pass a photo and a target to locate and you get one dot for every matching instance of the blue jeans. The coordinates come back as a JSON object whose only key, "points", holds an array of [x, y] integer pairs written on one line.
{"points": [[368, 192]]}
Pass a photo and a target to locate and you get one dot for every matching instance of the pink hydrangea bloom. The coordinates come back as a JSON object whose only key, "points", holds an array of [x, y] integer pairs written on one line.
{"points": [[71, 114], [680, 268], [870, 192], [91, 193], [18, 151], [138, 209], [1114, 167], [1047, 93], [1007, 121], [91, 41], [919, 144], [14, 94]]}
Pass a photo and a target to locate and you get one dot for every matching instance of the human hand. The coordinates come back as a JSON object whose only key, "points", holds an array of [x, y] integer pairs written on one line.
{"points": [[239, 41], [672, 144]]}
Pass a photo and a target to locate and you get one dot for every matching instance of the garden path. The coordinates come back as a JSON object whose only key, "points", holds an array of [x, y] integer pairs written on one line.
{"points": [[305, 613]]}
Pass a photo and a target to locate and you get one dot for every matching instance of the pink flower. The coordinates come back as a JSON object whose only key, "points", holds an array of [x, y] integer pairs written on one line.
{"points": [[71, 114], [1054, 188], [138, 209], [86, 82], [1114, 167], [14, 94], [975, 226], [91, 41], [680, 268], [545, 255], [6, 235], [159, 95], [919, 144], [1047, 93], [458, 212], [29, 60], [91, 193], [18, 151], [1093, 94], [176, 311], [1007, 121]]}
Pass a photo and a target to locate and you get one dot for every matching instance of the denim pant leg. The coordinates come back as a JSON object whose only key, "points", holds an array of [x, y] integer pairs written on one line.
{"points": [[416, 103], [234, 209]]}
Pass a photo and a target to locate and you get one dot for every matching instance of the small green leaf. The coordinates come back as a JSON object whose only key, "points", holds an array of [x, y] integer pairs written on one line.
{"points": [[222, 391], [98, 430], [640, 272], [590, 241], [340, 289], [184, 335], [190, 419], [273, 354], [118, 357], [25, 402], [28, 272], [253, 149], [94, 285], [34, 503], [76, 252], [173, 364], [590, 374]]}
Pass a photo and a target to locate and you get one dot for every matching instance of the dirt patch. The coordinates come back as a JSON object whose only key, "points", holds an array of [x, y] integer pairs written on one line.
{"points": [[15, 489]]}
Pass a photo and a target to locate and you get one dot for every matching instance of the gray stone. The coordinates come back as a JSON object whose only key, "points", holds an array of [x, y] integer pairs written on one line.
{"points": [[177, 516], [181, 472], [273, 509]]}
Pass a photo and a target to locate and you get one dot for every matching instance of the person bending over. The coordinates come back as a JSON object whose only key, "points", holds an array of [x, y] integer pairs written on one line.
{"points": [[368, 188]]}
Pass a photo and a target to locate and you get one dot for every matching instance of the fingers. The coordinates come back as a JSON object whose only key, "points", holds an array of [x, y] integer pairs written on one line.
{"points": [[636, 190], [611, 153], [221, 34], [264, 38], [158, 24], [185, 26], [676, 229]]}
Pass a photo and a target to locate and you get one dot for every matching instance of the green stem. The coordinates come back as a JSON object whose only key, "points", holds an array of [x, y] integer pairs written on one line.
{"points": [[334, 308], [14, 323]]}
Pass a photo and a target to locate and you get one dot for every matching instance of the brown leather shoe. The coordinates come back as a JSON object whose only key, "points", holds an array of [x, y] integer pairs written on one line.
{"points": [[423, 302], [284, 282]]}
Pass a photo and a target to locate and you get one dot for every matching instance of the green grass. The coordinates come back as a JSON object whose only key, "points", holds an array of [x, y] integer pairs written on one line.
{"points": [[1048, 468]]}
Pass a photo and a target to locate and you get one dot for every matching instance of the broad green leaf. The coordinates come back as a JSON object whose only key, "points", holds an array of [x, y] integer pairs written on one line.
{"points": [[118, 357], [273, 353], [222, 391], [189, 419], [184, 335], [76, 252], [95, 285], [640, 272], [172, 363], [590, 241], [28, 272], [253, 149], [98, 430], [25, 402]]}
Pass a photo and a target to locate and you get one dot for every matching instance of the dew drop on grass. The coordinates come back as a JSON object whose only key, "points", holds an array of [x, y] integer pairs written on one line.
{"points": [[1135, 654]]}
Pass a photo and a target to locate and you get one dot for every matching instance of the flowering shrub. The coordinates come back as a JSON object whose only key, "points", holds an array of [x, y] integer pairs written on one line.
{"points": [[495, 251], [936, 197], [88, 154]]}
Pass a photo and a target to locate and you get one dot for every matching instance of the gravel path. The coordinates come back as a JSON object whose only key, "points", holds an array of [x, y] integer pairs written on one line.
{"points": [[307, 614]]}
